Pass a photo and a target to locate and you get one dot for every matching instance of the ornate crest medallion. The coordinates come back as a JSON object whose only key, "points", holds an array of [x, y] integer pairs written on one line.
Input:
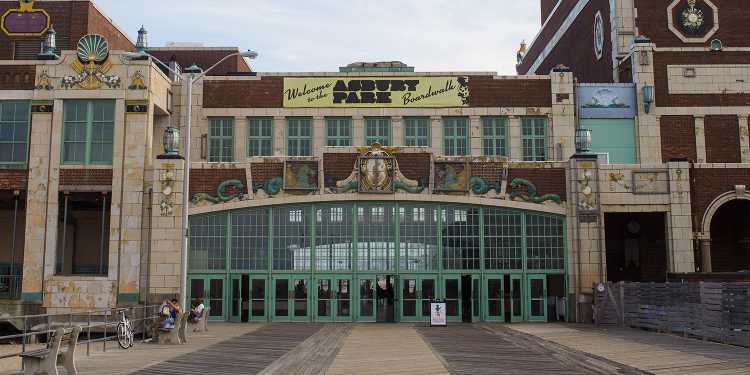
{"points": [[598, 35], [375, 169], [92, 65], [692, 17], [25, 20]]}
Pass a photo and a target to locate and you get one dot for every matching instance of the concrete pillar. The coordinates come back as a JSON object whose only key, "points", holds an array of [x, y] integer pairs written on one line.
{"points": [[318, 135], [680, 226], [700, 139], [563, 120], [166, 234], [358, 131], [475, 136], [279, 138], [514, 136], [648, 132], [744, 138], [436, 132], [40, 142], [240, 139], [397, 131]]}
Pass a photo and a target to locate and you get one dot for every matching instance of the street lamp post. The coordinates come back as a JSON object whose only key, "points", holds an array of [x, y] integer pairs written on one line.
{"points": [[194, 74]]}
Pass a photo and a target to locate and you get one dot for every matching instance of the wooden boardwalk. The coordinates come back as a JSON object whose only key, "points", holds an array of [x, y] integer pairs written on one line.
{"points": [[476, 350], [247, 354]]}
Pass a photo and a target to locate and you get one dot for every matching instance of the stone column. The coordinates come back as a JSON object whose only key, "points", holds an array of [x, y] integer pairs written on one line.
{"points": [[563, 120], [127, 193], [700, 139], [681, 256], [475, 136], [436, 133], [318, 135], [279, 138], [397, 131], [166, 233], [514, 136], [706, 255], [52, 201], [358, 131], [240, 139], [744, 122], [647, 125], [40, 142]]}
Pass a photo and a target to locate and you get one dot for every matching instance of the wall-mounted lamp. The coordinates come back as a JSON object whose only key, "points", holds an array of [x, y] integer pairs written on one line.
{"points": [[716, 45], [648, 97], [49, 45], [171, 141], [583, 140]]}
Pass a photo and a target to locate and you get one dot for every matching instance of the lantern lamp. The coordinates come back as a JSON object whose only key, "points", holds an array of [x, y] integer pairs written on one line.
{"points": [[648, 97], [171, 143], [49, 45], [583, 140]]}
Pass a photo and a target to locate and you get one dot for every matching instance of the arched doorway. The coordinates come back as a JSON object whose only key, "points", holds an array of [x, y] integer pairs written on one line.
{"points": [[730, 237]]}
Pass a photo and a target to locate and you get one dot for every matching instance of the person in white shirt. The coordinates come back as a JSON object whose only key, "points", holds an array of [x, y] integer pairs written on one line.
{"points": [[196, 313]]}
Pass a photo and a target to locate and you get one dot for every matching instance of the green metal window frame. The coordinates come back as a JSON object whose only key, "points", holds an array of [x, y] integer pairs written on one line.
{"points": [[378, 129], [456, 136], [299, 135], [495, 136], [15, 129], [534, 138], [88, 124], [220, 139], [339, 131], [259, 136], [417, 131]]}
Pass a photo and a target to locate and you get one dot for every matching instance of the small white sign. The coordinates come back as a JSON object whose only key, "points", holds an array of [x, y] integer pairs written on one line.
{"points": [[437, 314]]}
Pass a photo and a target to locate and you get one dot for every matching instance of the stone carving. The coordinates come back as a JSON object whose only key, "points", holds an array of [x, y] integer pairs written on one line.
{"points": [[650, 182], [451, 177], [377, 171], [692, 17], [44, 82], [138, 81], [91, 65], [269, 188], [530, 194], [166, 206], [587, 202], [617, 179], [227, 191], [301, 175]]}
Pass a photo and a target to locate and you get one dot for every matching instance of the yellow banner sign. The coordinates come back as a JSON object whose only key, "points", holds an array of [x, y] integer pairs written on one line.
{"points": [[394, 92]]}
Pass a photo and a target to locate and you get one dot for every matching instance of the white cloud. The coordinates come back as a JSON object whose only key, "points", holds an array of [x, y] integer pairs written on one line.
{"points": [[321, 35]]}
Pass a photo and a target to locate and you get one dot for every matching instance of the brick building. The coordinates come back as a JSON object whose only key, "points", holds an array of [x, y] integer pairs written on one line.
{"points": [[357, 195]]}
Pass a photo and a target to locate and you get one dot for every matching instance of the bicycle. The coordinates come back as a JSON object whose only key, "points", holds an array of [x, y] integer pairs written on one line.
{"points": [[125, 332]]}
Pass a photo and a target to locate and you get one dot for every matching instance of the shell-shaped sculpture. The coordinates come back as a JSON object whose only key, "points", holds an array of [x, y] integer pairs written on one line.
{"points": [[93, 47]]}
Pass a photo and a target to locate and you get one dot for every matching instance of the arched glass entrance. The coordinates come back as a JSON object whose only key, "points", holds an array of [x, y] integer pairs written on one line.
{"points": [[378, 262], [730, 237]]}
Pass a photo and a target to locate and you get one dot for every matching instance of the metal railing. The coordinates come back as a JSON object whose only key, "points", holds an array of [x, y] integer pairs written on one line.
{"points": [[97, 326], [10, 286]]}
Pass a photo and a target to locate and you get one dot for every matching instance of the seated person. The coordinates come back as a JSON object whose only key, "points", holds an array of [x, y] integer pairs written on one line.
{"points": [[168, 311], [196, 313]]}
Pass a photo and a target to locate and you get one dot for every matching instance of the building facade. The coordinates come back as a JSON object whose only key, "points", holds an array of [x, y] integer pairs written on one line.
{"points": [[357, 195]]}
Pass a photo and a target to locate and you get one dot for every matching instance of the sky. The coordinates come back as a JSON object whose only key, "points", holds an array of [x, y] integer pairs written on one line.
{"points": [[321, 35]]}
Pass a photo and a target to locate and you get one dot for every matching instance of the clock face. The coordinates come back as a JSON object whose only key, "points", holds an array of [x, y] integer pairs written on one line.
{"points": [[598, 35]]}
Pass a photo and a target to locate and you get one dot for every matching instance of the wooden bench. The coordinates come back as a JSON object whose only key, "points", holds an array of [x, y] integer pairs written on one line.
{"points": [[45, 360], [173, 335]]}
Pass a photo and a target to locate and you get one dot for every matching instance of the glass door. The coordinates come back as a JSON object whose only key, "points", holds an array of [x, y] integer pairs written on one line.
{"points": [[366, 294], [235, 314], [537, 300], [324, 294], [300, 298], [258, 294], [476, 298], [493, 311], [417, 291], [452, 297], [343, 310], [281, 299], [211, 290], [516, 298]]}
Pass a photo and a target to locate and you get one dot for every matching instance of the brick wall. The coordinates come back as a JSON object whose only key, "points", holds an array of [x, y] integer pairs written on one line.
{"points": [[17, 77], [338, 166], [263, 93], [661, 78], [733, 16], [546, 180], [707, 184], [492, 172], [415, 166], [489, 92], [677, 137], [546, 8], [77, 177], [13, 179], [262, 172], [576, 48], [722, 139], [208, 180], [100, 24]]}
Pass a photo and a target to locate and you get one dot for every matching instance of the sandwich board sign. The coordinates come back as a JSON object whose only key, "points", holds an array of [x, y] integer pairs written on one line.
{"points": [[437, 314]]}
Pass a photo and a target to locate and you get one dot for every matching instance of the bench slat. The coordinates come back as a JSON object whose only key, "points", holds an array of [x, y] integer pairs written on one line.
{"points": [[41, 353]]}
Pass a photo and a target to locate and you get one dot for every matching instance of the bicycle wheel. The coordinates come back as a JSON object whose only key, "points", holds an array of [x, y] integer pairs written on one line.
{"points": [[123, 336]]}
